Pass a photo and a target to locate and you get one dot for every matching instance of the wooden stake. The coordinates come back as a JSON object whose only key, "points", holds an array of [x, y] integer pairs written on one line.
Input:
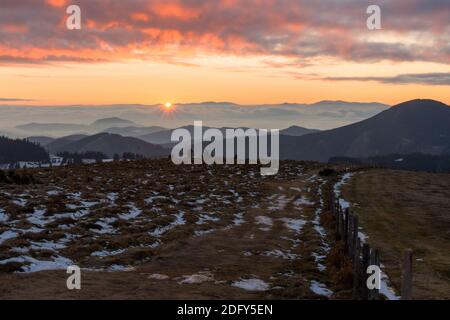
{"points": [[407, 278]]}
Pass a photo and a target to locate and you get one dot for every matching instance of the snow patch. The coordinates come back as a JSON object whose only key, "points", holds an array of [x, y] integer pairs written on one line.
{"points": [[132, 214], [179, 221], [120, 268], [49, 245], [341, 183], [281, 254], [251, 285], [266, 221], [238, 219], [295, 225], [20, 202], [157, 276], [320, 289], [106, 228], [303, 201], [204, 218], [112, 197], [152, 199], [200, 233], [7, 235], [34, 265], [3, 216], [280, 203], [106, 253], [204, 276], [385, 288], [37, 218]]}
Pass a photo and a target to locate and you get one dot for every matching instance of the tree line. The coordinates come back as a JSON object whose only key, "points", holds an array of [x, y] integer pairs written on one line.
{"points": [[77, 157], [14, 150]]}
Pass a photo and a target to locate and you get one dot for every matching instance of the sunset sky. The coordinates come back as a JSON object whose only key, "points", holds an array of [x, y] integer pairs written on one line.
{"points": [[244, 51]]}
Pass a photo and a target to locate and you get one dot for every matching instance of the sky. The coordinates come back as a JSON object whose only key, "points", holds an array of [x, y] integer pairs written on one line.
{"points": [[243, 51]]}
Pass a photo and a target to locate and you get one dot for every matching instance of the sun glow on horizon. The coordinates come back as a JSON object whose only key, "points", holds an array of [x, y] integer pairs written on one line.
{"points": [[168, 108]]}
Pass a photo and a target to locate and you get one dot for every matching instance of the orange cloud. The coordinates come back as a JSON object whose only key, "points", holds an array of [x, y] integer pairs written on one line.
{"points": [[15, 28], [140, 16], [57, 3], [297, 29], [175, 10]]}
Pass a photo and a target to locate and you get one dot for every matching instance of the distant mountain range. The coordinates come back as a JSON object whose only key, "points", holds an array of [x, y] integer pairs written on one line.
{"points": [[106, 143], [164, 137], [51, 127], [418, 126], [150, 144], [112, 122], [56, 145], [297, 131], [43, 141], [52, 121], [58, 128], [133, 131], [345, 104]]}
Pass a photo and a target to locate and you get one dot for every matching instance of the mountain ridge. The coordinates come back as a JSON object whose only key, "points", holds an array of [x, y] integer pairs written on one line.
{"points": [[413, 126], [111, 144]]}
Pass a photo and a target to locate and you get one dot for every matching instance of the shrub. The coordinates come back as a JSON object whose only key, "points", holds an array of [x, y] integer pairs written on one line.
{"points": [[327, 172], [14, 177], [3, 178]]}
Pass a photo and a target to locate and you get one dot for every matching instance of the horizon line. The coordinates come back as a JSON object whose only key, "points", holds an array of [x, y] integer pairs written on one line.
{"points": [[201, 103], [207, 102]]}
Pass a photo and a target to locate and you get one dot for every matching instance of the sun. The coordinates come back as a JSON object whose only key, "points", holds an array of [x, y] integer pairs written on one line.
{"points": [[167, 108]]}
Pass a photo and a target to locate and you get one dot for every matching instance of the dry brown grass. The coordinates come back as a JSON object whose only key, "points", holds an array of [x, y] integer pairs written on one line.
{"points": [[400, 210], [230, 252]]}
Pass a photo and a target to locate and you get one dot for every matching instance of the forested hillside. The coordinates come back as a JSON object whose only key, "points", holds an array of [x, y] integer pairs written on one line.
{"points": [[20, 150]]}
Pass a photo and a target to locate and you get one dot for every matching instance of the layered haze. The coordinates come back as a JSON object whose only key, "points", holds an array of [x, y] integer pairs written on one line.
{"points": [[57, 121]]}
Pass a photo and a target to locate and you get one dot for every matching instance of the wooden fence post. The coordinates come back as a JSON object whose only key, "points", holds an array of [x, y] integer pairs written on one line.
{"points": [[337, 225], [338, 207], [355, 237], [350, 235], [365, 265], [346, 224], [374, 261], [356, 270], [407, 275], [332, 208], [355, 257]]}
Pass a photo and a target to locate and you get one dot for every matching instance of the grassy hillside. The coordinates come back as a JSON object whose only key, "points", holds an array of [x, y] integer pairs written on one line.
{"points": [[152, 230], [400, 210]]}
